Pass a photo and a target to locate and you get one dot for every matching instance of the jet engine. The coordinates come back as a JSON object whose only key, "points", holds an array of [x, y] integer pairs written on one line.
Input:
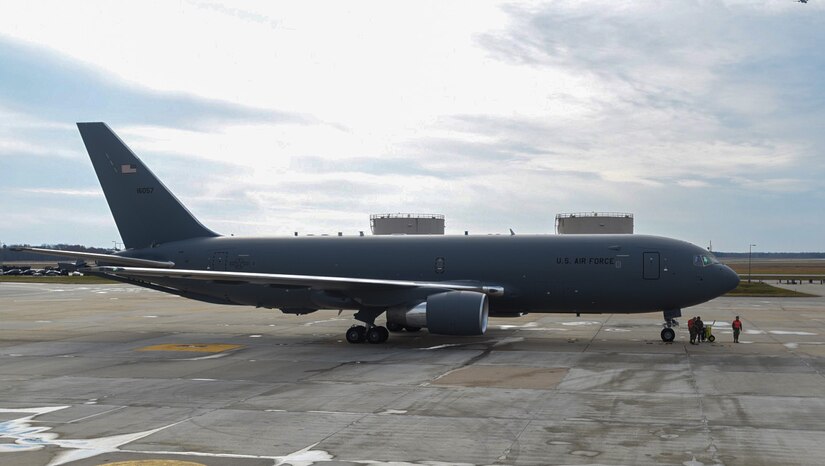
{"points": [[449, 313]]}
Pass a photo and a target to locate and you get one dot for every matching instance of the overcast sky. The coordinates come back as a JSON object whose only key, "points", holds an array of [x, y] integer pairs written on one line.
{"points": [[706, 119]]}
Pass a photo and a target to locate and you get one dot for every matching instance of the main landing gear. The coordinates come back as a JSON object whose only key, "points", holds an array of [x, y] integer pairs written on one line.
{"points": [[374, 334], [370, 333], [668, 334]]}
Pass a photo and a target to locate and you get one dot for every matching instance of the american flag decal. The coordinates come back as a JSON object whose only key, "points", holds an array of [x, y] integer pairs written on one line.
{"points": [[128, 169]]}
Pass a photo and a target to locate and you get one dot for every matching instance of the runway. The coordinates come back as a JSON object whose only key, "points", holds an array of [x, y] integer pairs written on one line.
{"points": [[93, 375]]}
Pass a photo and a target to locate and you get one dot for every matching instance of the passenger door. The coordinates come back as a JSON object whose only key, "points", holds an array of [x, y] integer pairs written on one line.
{"points": [[651, 266]]}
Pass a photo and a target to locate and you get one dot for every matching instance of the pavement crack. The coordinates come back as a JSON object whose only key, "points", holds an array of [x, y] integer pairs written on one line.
{"points": [[511, 453], [479, 357], [712, 449], [314, 372], [596, 333]]}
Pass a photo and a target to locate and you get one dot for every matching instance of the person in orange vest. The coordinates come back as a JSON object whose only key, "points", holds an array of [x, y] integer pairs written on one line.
{"points": [[737, 327], [692, 331]]}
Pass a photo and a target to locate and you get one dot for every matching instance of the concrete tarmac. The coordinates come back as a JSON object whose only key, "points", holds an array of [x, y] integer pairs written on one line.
{"points": [[104, 374]]}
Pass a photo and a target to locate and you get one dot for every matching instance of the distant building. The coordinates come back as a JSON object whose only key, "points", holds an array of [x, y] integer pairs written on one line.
{"points": [[594, 222], [407, 224]]}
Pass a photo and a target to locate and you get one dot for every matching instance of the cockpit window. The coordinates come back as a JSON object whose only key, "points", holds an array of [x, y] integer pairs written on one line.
{"points": [[704, 260]]}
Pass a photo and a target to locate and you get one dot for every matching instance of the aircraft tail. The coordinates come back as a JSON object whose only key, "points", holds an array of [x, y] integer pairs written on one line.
{"points": [[145, 212]]}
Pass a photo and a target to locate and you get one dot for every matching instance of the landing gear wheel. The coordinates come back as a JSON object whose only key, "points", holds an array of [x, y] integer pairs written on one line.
{"points": [[377, 334], [356, 334], [668, 335], [412, 329], [394, 327]]}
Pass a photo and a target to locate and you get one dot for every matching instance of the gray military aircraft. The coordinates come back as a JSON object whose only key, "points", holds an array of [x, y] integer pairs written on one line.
{"points": [[448, 284]]}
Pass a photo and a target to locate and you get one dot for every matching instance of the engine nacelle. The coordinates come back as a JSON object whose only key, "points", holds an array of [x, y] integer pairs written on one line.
{"points": [[449, 313]]}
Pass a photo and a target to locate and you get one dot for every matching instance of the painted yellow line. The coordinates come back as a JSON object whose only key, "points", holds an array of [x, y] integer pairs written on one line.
{"points": [[192, 347]]}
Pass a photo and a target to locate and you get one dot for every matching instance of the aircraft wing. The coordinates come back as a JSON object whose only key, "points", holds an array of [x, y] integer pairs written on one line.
{"points": [[107, 258], [287, 279]]}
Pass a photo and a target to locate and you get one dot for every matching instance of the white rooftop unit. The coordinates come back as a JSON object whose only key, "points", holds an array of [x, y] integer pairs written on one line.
{"points": [[407, 224], [594, 223]]}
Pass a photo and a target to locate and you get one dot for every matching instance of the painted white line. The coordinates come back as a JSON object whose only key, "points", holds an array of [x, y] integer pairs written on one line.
{"points": [[393, 411], [441, 346], [95, 415], [201, 358]]}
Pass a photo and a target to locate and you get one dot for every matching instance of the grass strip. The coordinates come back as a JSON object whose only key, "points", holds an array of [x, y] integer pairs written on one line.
{"points": [[761, 289]]}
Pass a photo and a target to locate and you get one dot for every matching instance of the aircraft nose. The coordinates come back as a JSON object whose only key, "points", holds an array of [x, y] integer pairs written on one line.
{"points": [[728, 279]]}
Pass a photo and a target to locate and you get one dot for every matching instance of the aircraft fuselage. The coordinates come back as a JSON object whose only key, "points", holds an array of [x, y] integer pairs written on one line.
{"points": [[539, 273]]}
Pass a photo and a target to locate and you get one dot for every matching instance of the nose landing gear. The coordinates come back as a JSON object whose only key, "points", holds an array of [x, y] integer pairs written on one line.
{"points": [[668, 334]]}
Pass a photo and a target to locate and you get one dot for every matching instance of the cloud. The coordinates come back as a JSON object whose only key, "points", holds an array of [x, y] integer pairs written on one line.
{"points": [[693, 183], [65, 192], [279, 119], [776, 185], [37, 81], [27, 135], [673, 90]]}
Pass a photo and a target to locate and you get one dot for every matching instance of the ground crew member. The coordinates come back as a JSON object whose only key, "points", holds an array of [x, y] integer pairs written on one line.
{"points": [[700, 329], [692, 331], [737, 327]]}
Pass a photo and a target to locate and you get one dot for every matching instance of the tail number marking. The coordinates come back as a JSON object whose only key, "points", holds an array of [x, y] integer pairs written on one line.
{"points": [[145, 190]]}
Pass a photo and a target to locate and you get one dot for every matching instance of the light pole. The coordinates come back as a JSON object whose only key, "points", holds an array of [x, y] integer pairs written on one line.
{"points": [[750, 252]]}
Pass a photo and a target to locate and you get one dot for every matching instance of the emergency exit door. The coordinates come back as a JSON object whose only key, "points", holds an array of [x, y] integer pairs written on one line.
{"points": [[651, 266]]}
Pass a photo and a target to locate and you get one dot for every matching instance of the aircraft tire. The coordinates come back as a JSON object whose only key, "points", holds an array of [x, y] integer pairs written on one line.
{"points": [[394, 327], [356, 334], [412, 329], [668, 335], [377, 335]]}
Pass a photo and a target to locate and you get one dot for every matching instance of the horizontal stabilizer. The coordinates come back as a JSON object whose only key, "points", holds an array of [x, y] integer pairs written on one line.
{"points": [[105, 258]]}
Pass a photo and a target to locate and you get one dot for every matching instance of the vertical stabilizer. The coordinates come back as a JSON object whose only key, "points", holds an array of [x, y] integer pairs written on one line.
{"points": [[145, 212]]}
